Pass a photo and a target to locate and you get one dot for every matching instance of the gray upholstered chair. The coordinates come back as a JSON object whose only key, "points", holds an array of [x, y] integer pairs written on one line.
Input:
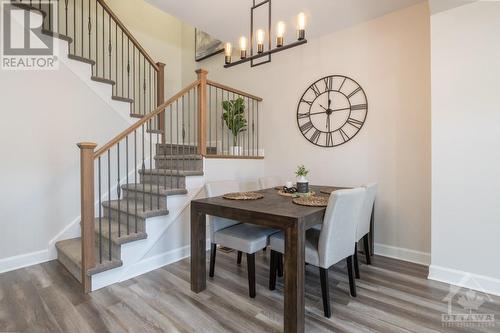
{"points": [[363, 231], [333, 243], [244, 237], [270, 182]]}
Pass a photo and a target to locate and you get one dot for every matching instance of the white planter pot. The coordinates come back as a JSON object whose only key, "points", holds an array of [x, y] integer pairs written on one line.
{"points": [[236, 150]]}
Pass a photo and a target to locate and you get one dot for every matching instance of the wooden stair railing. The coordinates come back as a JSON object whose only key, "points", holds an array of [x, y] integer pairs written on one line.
{"points": [[126, 161], [98, 37]]}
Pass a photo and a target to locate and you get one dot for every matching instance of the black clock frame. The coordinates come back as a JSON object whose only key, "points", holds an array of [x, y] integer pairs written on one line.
{"points": [[310, 87]]}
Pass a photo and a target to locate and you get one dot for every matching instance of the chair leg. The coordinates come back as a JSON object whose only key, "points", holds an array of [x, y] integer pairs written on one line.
{"points": [[352, 280], [272, 271], [238, 261], [366, 241], [213, 251], [279, 263], [356, 263], [325, 294], [251, 274]]}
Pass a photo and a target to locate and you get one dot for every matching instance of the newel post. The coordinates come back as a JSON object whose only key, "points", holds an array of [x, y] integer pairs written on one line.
{"points": [[160, 97], [87, 211], [202, 111]]}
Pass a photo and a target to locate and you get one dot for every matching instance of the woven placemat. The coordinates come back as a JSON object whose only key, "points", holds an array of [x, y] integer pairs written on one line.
{"points": [[284, 194], [243, 196], [331, 190], [313, 201]]}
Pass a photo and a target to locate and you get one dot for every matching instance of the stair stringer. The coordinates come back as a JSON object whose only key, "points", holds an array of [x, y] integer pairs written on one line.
{"points": [[133, 255]]}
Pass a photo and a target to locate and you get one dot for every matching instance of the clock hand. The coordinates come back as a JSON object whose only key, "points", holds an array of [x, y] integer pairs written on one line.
{"points": [[312, 114], [329, 100], [341, 109], [324, 107]]}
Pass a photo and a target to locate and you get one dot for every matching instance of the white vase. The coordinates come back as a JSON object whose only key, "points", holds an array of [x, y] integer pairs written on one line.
{"points": [[236, 150]]}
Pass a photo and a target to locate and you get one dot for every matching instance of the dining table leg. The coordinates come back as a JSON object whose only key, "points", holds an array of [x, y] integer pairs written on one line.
{"points": [[294, 320], [198, 250]]}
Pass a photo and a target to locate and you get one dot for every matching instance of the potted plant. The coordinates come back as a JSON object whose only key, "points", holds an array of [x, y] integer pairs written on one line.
{"points": [[234, 117], [302, 182]]}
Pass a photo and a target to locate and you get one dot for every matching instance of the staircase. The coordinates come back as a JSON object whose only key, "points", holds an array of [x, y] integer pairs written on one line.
{"points": [[126, 217], [126, 183]]}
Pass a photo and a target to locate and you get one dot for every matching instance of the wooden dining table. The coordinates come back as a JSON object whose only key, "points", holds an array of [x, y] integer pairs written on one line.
{"points": [[274, 211]]}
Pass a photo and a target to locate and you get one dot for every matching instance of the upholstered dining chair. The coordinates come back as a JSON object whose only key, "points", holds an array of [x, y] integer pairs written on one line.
{"points": [[270, 182], [244, 237], [363, 231], [331, 244]]}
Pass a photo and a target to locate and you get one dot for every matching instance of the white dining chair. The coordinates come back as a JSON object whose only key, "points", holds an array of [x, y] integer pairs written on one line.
{"points": [[243, 237], [270, 182], [331, 244], [363, 232]]}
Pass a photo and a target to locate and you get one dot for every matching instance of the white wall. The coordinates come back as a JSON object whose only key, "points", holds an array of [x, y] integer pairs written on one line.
{"points": [[40, 172], [465, 144], [390, 58]]}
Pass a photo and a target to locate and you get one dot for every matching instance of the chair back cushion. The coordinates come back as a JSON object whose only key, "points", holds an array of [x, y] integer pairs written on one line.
{"points": [[338, 233], [366, 211], [270, 182], [215, 189]]}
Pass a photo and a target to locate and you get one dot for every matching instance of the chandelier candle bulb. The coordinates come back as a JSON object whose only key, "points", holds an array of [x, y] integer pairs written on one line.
{"points": [[260, 41], [301, 26], [243, 47], [228, 50], [280, 32]]}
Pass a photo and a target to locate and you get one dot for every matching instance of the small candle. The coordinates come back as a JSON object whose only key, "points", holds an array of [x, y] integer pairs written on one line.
{"points": [[260, 41], [289, 185], [228, 51]]}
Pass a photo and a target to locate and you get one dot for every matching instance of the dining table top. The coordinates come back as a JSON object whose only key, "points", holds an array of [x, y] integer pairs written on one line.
{"points": [[272, 203]]}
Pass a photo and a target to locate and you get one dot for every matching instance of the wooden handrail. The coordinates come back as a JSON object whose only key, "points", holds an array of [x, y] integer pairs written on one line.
{"points": [[142, 121], [236, 91], [128, 33]]}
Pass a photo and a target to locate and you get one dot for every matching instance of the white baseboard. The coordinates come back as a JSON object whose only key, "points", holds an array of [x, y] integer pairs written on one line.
{"points": [[422, 258], [24, 260], [463, 279]]}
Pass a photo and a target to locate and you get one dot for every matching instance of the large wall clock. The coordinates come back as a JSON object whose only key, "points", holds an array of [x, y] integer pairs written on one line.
{"points": [[332, 111]]}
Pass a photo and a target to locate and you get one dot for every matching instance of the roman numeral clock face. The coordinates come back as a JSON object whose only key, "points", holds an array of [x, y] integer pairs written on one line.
{"points": [[332, 111]]}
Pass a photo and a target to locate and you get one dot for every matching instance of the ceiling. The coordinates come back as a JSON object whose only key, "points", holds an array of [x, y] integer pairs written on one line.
{"points": [[229, 19], [437, 6]]}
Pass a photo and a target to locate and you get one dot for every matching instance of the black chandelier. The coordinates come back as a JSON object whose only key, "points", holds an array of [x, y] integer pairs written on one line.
{"points": [[261, 36]]}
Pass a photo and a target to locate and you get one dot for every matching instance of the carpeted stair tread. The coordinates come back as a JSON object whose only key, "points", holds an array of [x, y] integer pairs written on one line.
{"points": [[167, 172], [154, 189], [123, 238], [72, 249], [142, 212]]}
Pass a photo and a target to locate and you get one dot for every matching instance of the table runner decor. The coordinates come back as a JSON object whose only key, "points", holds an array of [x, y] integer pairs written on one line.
{"points": [[312, 201], [243, 196]]}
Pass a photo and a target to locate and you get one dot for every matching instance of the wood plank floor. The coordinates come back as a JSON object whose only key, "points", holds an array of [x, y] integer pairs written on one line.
{"points": [[393, 296]]}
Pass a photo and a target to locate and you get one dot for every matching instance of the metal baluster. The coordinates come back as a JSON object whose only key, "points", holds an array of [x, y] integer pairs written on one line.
{"points": [[215, 120], [135, 179], [103, 47], [143, 173], [82, 30], [66, 14], [96, 42], [121, 73], [171, 148], [144, 88], [151, 165], [189, 120], [253, 127], [183, 140], [109, 201], [128, 67], [89, 26], [133, 79], [210, 114], [74, 27], [139, 82], [110, 47], [158, 181], [100, 210], [115, 87], [258, 153], [128, 186], [118, 188]]}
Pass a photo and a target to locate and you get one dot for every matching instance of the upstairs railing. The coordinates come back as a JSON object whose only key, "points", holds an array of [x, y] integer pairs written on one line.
{"points": [[97, 36], [132, 172]]}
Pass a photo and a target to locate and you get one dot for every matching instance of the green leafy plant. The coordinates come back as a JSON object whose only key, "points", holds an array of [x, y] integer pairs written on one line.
{"points": [[301, 171], [234, 116]]}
